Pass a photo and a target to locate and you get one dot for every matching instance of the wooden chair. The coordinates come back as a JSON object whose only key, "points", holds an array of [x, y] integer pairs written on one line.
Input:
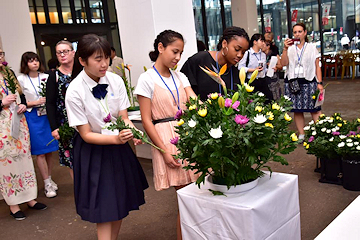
{"points": [[332, 62], [348, 61]]}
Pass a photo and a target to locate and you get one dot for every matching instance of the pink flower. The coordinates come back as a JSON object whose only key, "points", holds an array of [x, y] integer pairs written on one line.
{"points": [[228, 102], [4, 64], [235, 105], [174, 140], [178, 114], [335, 133], [1, 144], [312, 138], [240, 119], [43, 79], [7, 178], [107, 118], [11, 192], [20, 182], [321, 96], [250, 101], [67, 153]]}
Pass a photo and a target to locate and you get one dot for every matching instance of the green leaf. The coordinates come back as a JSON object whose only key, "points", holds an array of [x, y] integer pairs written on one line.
{"points": [[217, 193]]}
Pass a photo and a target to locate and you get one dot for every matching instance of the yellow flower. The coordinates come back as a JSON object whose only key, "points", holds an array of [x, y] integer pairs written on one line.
{"points": [[345, 122], [249, 88], [287, 117], [193, 98], [307, 146], [258, 108], [221, 102], [339, 124], [180, 122], [187, 133], [192, 107], [331, 118], [269, 125], [352, 136], [322, 115], [358, 135], [275, 106], [202, 112], [253, 76], [271, 115], [358, 119], [294, 138], [338, 118], [209, 101], [313, 97], [214, 96], [242, 75]]}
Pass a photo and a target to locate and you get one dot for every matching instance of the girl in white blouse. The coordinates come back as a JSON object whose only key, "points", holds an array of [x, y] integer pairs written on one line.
{"points": [[302, 63], [108, 178], [31, 79]]}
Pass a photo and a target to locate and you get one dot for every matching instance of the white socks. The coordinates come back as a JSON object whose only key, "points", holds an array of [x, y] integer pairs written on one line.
{"points": [[47, 181]]}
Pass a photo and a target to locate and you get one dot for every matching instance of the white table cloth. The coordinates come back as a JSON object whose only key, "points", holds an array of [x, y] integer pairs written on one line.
{"points": [[269, 211], [344, 226]]}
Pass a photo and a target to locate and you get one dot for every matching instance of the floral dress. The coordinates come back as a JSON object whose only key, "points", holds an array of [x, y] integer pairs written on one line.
{"points": [[65, 147], [17, 175]]}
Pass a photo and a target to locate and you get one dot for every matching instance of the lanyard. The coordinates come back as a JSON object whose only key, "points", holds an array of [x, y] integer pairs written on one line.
{"points": [[231, 75], [6, 90], [34, 85], [178, 102], [257, 57], [301, 53]]}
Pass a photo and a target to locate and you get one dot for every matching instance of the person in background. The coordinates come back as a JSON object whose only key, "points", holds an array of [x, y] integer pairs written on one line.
{"points": [[31, 79], [162, 93], [116, 63], [17, 175], [230, 49], [56, 87], [269, 36], [302, 63], [108, 179], [53, 64], [200, 46], [345, 41]]}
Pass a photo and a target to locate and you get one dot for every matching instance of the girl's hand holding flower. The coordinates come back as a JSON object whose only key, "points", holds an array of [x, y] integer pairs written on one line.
{"points": [[171, 161], [41, 101], [124, 136], [21, 109], [6, 101]]}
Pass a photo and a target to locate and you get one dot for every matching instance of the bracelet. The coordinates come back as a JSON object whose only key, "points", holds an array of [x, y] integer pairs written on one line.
{"points": [[321, 83]]}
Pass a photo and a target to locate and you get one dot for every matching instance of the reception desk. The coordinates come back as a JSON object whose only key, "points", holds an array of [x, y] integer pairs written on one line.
{"points": [[269, 211]]}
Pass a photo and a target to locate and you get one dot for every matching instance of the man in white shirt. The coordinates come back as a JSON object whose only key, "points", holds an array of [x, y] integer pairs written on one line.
{"points": [[345, 41], [116, 63]]}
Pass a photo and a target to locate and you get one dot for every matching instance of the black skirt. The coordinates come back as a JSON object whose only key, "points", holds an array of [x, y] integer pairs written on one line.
{"points": [[108, 181]]}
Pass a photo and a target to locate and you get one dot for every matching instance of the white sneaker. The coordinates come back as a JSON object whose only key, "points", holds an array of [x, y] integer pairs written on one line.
{"points": [[54, 185], [49, 191]]}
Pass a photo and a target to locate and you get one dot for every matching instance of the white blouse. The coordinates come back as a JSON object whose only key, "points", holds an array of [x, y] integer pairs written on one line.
{"points": [[31, 86], [83, 108], [148, 79], [309, 56]]}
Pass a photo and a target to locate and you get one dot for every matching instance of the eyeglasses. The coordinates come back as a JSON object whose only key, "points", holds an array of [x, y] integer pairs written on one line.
{"points": [[65, 52], [2, 54], [33, 60]]}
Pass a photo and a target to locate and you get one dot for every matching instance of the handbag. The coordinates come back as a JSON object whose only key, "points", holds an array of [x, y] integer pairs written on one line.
{"points": [[294, 86]]}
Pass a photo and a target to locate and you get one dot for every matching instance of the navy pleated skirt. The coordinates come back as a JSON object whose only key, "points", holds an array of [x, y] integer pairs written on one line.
{"points": [[108, 181], [40, 134]]}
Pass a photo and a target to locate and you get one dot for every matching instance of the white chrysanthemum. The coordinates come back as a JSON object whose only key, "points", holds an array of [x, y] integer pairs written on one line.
{"points": [[216, 132], [358, 148], [261, 94], [311, 122], [282, 109], [192, 123], [328, 131], [330, 121], [259, 118], [331, 139], [342, 136], [287, 98], [323, 129], [327, 118], [349, 144], [349, 140], [333, 130], [306, 128], [356, 143], [321, 122], [312, 128], [341, 144], [313, 133], [337, 128]]}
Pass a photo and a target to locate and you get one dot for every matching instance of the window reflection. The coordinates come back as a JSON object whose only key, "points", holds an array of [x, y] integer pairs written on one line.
{"points": [[80, 11], [97, 13], [198, 20], [40, 12], [66, 11], [53, 13], [32, 12]]}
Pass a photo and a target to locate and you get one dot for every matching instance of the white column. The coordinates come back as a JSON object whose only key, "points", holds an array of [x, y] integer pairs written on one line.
{"points": [[140, 21], [244, 14], [16, 32]]}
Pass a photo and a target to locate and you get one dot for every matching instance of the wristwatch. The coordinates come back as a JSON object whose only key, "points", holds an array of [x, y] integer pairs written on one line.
{"points": [[321, 83]]}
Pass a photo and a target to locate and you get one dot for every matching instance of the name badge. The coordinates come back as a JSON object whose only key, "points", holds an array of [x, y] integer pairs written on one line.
{"points": [[299, 70], [41, 111], [109, 132]]}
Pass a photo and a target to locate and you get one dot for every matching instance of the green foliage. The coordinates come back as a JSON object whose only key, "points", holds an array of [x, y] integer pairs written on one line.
{"points": [[66, 133], [129, 88], [10, 79], [234, 152]]}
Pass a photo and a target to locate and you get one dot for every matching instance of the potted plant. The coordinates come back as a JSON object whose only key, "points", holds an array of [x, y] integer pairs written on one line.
{"points": [[321, 139], [233, 136]]}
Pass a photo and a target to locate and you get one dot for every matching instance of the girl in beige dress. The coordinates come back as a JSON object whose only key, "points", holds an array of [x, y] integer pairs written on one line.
{"points": [[162, 93]]}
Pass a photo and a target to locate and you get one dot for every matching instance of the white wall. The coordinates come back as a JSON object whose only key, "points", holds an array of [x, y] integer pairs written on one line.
{"points": [[16, 31], [140, 21], [244, 14]]}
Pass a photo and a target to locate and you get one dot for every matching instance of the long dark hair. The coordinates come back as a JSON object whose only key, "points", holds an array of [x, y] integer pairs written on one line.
{"points": [[256, 37], [24, 68], [165, 37], [91, 43], [304, 27], [231, 32]]}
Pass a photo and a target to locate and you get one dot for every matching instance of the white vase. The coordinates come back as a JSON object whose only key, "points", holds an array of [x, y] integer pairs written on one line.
{"points": [[224, 189]]}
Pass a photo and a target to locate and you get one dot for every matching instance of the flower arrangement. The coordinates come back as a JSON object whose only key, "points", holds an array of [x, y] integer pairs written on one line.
{"points": [[9, 77], [42, 91], [128, 86], [332, 137], [233, 136]]}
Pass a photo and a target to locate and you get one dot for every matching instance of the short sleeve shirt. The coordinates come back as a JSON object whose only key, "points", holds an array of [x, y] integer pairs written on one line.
{"points": [[147, 81], [83, 108]]}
